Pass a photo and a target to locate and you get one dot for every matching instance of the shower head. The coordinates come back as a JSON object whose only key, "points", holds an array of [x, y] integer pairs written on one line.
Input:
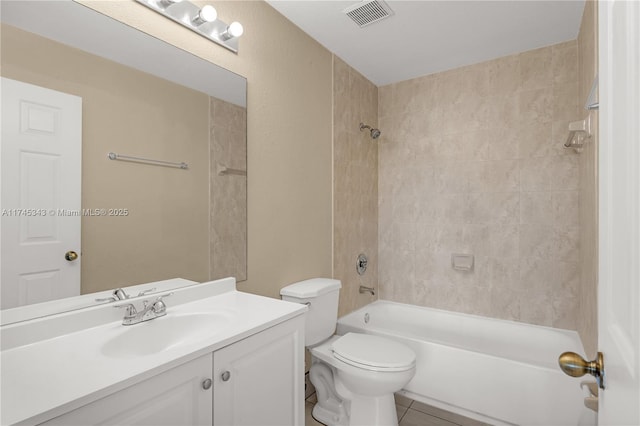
{"points": [[375, 133]]}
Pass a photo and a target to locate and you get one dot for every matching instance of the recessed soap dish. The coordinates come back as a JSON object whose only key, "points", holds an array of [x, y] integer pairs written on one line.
{"points": [[579, 133], [462, 262]]}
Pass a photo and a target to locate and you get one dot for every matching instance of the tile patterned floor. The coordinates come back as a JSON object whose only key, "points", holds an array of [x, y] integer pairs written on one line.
{"points": [[410, 413]]}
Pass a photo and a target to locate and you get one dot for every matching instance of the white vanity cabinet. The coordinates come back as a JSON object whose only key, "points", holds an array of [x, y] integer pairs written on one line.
{"points": [[175, 397], [258, 380], [84, 367]]}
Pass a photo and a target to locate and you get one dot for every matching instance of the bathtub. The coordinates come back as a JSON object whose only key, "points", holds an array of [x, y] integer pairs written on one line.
{"points": [[491, 370]]}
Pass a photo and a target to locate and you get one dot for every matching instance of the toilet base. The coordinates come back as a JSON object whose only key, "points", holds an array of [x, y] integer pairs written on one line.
{"points": [[352, 396], [330, 408], [379, 411], [328, 417], [338, 406]]}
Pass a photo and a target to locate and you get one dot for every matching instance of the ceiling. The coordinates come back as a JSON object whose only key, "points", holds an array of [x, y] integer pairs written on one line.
{"points": [[424, 37]]}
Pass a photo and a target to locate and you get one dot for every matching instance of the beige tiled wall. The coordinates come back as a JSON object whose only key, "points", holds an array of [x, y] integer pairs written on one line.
{"points": [[228, 236], [471, 161], [355, 184], [587, 70]]}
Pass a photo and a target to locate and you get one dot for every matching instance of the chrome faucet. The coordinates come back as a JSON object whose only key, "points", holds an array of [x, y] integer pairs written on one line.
{"points": [[150, 311], [364, 289], [120, 294]]}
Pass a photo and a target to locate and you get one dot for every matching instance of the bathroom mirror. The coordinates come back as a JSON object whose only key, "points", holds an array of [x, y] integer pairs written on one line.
{"points": [[146, 107]]}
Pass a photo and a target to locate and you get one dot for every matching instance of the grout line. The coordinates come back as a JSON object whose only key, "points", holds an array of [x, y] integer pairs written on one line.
{"points": [[441, 418], [428, 414], [405, 412]]}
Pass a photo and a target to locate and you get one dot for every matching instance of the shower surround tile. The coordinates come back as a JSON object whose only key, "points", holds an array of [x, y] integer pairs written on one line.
{"points": [[228, 194], [471, 161], [355, 185], [586, 302]]}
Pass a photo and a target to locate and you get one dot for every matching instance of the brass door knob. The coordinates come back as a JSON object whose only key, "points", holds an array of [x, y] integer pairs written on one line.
{"points": [[71, 256], [575, 366]]}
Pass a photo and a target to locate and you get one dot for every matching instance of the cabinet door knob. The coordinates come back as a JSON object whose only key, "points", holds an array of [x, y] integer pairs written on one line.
{"points": [[226, 376], [206, 384]]}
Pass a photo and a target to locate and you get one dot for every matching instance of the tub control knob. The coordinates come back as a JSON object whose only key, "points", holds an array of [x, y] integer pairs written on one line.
{"points": [[361, 264], [226, 376], [206, 384]]}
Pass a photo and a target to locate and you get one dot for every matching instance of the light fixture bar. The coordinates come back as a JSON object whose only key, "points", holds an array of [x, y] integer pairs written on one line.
{"points": [[190, 16]]}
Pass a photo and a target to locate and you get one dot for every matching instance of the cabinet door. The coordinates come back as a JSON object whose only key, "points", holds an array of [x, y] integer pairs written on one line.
{"points": [[176, 397], [260, 380]]}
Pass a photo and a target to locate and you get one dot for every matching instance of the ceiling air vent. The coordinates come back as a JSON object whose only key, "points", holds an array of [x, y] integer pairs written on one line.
{"points": [[368, 11]]}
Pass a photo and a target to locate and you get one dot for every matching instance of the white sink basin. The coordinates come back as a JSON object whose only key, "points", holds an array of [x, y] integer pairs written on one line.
{"points": [[163, 333]]}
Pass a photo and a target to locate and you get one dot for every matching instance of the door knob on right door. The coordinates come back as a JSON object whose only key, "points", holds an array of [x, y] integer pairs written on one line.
{"points": [[71, 256], [575, 366]]}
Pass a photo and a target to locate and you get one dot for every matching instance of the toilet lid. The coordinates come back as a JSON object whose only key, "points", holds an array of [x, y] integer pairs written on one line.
{"points": [[373, 352]]}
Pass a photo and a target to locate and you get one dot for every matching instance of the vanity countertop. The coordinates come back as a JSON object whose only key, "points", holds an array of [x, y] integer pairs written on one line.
{"points": [[64, 363]]}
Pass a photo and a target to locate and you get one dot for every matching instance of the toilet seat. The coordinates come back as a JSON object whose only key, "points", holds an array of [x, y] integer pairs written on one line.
{"points": [[373, 353]]}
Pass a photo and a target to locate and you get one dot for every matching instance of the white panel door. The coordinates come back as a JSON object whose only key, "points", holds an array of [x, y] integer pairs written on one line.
{"points": [[260, 380], [40, 193], [178, 397], [619, 211]]}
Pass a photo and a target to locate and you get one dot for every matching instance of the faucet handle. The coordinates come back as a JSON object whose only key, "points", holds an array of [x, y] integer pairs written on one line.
{"points": [[149, 290], [158, 305], [106, 299], [120, 294], [159, 298], [131, 309]]}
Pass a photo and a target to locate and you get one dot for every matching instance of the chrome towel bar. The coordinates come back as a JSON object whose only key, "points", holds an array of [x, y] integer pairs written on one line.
{"points": [[114, 156]]}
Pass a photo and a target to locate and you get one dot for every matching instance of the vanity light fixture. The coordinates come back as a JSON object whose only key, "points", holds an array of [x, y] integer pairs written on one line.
{"points": [[234, 29], [202, 21], [208, 13]]}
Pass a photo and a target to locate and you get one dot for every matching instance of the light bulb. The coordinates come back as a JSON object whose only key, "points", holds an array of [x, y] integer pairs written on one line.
{"points": [[206, 14], [233, 30]]}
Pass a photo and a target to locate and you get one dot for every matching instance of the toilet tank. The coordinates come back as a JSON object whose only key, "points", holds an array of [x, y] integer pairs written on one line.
{"points": [[321, 295]]}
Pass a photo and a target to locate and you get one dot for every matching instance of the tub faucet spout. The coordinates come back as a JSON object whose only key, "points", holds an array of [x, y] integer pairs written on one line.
{"points": [[364, 289]]}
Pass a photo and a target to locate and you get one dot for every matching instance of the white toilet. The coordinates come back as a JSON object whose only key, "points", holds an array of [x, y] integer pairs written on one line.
{"points": [[355, 375]]}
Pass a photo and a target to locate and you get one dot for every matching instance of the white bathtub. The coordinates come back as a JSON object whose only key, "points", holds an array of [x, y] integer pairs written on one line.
{"points": [[496, 371]]}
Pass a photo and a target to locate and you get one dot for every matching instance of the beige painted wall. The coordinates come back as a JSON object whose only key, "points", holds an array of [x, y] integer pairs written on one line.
{"points": [[132, 113], [355, 171], [587, 71], [289, 132], [472, 162]]}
